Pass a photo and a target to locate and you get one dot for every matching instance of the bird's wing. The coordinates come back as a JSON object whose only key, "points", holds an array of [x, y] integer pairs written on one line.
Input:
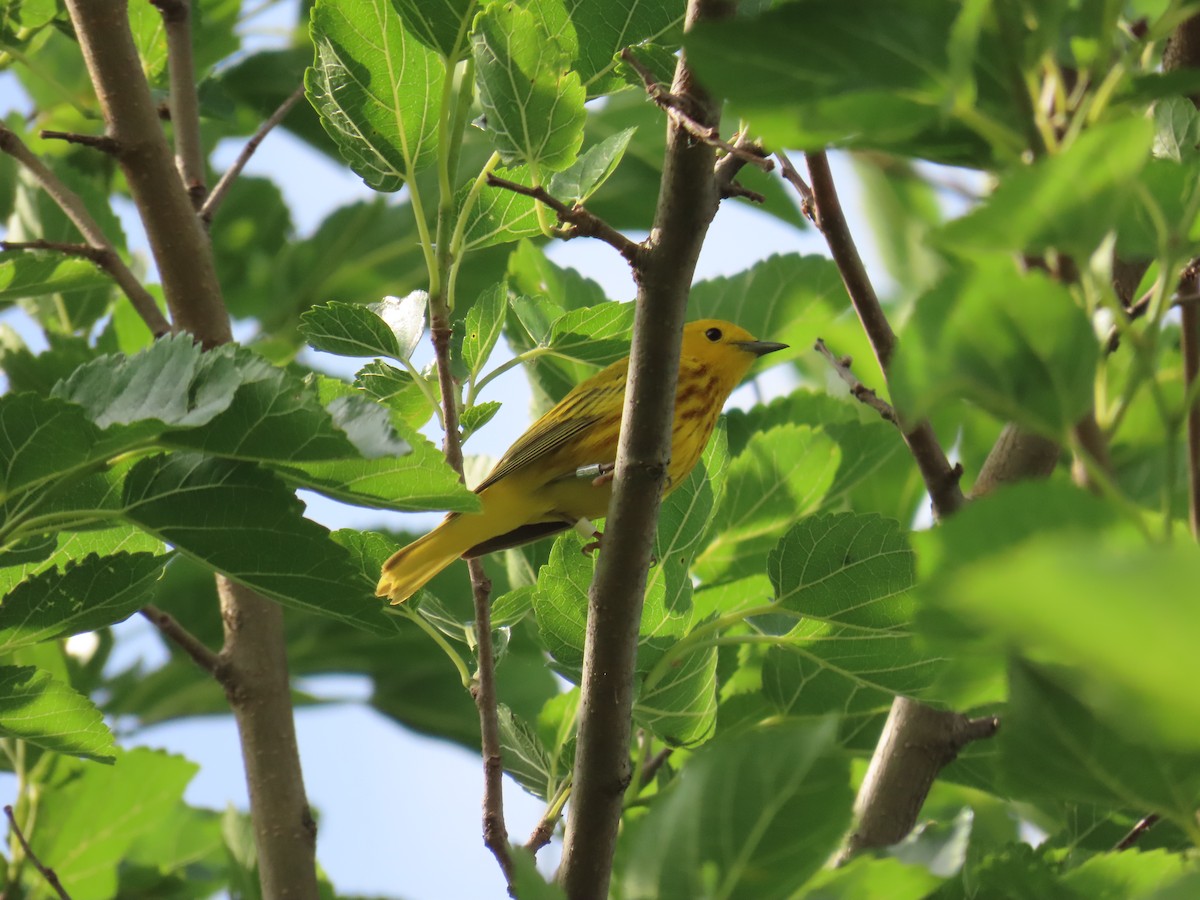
{"points": [[592, 403], [543, 439]]}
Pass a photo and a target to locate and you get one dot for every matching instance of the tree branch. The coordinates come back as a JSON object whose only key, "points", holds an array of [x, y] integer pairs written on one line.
{"points": [[483, 690], [100, 249], [177, 240], [254, 666], [253, 660], [688, 200], [685, 111], [49, 874], [581, 222], [96, 141], [1144, 824], [917, 741], [209, 209], [941, 479], [916, 744], [201, 655], [1189, 326], [184, 101], [860, 392]]}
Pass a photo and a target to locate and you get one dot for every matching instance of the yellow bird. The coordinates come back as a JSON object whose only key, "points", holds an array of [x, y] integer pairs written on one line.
{"points": [[558, 473]]}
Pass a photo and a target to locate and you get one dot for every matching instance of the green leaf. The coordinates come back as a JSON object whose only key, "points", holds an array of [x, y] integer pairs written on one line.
{"points": [[658, 60], [525, 757], [781, 475], [377, 88], [904, 209], [443, 26], [1053, 747], [256, 226], [1067, 599], [275, 417], [241, 521], [36, 216], [135, 798], [36, 707], [419, 480], [85, 595], [41, 439], [1015, 343], [485, 321], [348, 329], [606, 29], [500, 216], [753, 816], [1177, 129], [475, 417], [1130, 874], [532, 100], [681, 709], [367, 425], [397, 389], [593, 167], [810, 74], [41, 372], [24, 274], [1068, 202], [865, 877], [848, 577], [528, 882], [173, 382]]}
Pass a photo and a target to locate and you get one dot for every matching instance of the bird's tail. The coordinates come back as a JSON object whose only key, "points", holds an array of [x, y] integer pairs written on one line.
{"points": [[410, 568]]}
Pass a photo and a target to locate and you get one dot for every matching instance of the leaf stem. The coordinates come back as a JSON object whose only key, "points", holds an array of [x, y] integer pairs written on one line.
{"points": [[698, 638], [464, 674], [521, 358]]}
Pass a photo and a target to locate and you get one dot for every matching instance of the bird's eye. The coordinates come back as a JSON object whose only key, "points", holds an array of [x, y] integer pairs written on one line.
{"points": [[713, 334]]}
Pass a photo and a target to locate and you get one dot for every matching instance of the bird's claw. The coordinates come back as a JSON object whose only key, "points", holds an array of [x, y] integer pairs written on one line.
{"points": [[590, 548], [607, 473]]}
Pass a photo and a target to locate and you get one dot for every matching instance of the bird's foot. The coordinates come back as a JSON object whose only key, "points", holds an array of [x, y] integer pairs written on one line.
{"points": [[607, 472]]}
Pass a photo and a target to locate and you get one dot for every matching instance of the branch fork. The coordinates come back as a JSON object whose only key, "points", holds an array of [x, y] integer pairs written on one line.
{"points": [[577, 221]]}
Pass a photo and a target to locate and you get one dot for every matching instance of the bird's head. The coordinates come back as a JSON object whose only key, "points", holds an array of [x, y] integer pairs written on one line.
{"points": [[725, 348]]}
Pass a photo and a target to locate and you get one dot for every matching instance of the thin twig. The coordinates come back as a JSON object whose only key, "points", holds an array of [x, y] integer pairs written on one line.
{"points": [[1189, 324], [495, 832], [1143, 825], [729, 165], [483, 690], [808, 205], [653, 764], [73, 206], [207, 659], [917, 741], [941, 479], [1136, 310], [101, 142], [733, 189], [86, 251], [184, 100], [49, 874], [862, 393], [677, 107], [209, 209], [543, 832], [581, 222]]}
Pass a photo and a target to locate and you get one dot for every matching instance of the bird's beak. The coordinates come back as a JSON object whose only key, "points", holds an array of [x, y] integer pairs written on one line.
{"points": [[759, 348]]}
